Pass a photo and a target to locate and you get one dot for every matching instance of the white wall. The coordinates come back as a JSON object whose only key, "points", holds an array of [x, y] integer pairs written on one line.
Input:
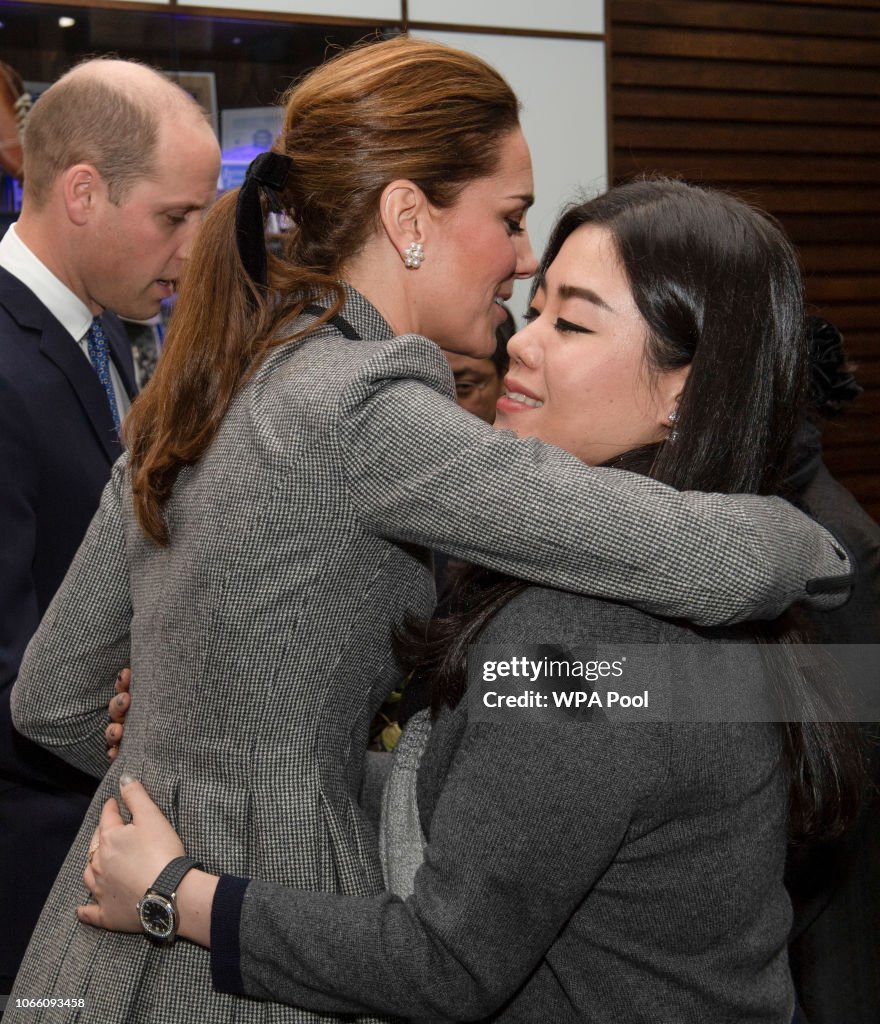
{"points": [[561, 83], [547, 15], [382, 10]]}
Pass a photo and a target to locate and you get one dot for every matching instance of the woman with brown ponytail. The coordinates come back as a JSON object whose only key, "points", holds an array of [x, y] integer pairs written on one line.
{"points": [[292, 458]]}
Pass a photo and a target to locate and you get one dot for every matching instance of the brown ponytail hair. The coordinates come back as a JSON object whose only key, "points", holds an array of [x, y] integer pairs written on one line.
{"points": [[403, 108]]}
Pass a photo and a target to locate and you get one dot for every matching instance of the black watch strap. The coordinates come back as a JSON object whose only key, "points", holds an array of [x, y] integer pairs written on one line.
{"points": [[168, 881]]}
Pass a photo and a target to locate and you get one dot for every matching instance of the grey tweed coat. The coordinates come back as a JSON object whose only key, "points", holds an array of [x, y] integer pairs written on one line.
{"points": [[259, 637]]}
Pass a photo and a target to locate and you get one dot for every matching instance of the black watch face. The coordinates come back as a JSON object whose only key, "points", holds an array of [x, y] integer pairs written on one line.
{"points": [[157, 917]]}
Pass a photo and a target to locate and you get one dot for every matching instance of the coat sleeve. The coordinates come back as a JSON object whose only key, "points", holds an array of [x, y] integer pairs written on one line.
{"points": [[422, 470], [19, 615], [66, 678], [505, 869]]}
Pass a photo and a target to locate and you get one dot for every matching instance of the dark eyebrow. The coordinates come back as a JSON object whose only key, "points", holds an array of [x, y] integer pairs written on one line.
{"points": [[527, 200], [570, 291]]}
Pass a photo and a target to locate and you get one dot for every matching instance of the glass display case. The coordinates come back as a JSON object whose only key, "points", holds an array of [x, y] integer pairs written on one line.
{"points": [[237, 67]]}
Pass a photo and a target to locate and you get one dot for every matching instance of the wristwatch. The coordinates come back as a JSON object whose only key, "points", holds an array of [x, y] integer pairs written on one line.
{"points": [[157, 910]]}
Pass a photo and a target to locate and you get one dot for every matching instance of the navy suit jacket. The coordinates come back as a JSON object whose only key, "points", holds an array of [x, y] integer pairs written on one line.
{"points": [[57, 445]]}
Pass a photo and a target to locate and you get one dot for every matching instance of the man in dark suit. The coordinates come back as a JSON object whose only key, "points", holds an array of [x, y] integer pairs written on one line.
{"points": [[119, 167]]}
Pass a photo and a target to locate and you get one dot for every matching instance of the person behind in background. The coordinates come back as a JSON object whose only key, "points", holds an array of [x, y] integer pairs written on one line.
{"points": [[15, 103], [480, 381], [593, 870], [289, 462], [119, 166], [835, 886]]}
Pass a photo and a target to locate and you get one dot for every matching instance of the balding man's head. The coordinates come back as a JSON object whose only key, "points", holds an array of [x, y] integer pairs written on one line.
{"points": [[120, 166], [107, 113]]}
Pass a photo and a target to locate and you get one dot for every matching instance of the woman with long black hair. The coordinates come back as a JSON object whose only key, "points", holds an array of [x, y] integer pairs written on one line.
{"points": [[600, 871]]}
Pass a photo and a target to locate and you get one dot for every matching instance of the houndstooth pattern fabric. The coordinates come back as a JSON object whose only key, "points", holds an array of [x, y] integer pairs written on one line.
{"points": [[259, 637]]}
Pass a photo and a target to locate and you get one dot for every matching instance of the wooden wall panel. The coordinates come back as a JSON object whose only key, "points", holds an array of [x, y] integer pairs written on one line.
{"points": [[777, 101]]}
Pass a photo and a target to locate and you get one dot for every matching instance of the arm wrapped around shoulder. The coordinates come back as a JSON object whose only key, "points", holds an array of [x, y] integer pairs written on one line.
{"points": [[424, 471]]}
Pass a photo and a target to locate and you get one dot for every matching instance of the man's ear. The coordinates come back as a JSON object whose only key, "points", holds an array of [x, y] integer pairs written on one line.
{"points": [[403, 212], [78, 186]]}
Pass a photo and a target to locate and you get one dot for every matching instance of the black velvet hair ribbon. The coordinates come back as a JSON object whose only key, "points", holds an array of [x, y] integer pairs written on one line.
{"points": [[267, 174]]}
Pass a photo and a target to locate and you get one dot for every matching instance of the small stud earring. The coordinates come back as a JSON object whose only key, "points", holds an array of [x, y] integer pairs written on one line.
{"points": [[413, 255]]}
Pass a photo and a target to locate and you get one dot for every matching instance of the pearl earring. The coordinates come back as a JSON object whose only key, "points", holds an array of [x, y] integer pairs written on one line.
{"points": [[413, 255]]}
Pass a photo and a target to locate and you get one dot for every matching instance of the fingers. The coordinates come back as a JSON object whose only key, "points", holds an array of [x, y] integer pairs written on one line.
{"points": [[111, 864], [89, 872], [90, 914], [118, 707], [114, 732], [110, 817], [137, 800], [93, 846]]}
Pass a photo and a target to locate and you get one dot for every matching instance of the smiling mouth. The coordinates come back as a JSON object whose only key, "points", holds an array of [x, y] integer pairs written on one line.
{"points": [[518, 396]]}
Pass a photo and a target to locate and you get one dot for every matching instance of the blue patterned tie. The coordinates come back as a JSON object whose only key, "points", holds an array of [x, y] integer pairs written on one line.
{"points": [[99, 354]]}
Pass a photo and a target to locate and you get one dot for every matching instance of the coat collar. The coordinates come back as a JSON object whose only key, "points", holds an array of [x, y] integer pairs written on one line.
{"points": [[364, 317], [358, 319]]}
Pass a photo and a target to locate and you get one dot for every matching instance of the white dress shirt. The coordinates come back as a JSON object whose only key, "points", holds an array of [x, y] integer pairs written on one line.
{"points": [[66, 307]]}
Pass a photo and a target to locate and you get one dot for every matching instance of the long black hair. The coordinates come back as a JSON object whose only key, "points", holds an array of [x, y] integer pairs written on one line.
{"points": [[719, 287]]}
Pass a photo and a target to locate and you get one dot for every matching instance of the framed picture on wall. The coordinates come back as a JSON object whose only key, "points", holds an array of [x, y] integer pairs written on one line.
{"points": [[202, 86], [250, 126], [246, 132]]}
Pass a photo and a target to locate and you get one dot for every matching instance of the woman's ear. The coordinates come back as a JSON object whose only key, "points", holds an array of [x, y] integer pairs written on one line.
{"points": [[403, 212], [670, 388]]}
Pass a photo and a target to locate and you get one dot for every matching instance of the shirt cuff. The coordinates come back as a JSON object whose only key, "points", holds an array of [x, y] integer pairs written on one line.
{"points": [[225, 924]]}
